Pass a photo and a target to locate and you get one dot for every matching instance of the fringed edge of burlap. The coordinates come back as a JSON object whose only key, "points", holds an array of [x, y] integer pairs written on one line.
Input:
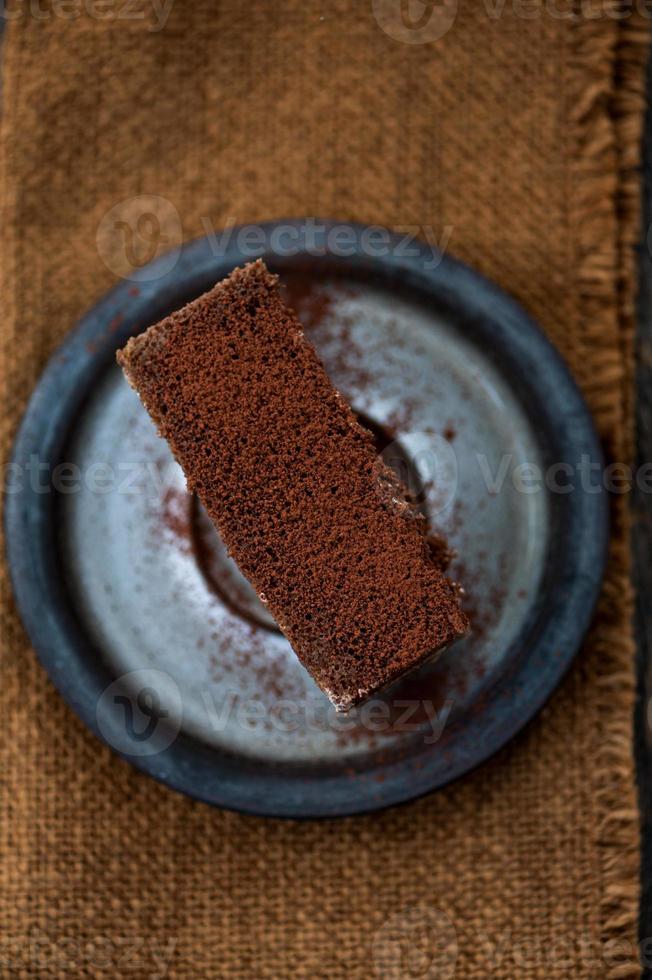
{"points": [[608, 109]]}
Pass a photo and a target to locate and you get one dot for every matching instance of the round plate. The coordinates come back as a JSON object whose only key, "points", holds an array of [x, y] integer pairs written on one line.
{"points": [[161, 647]]}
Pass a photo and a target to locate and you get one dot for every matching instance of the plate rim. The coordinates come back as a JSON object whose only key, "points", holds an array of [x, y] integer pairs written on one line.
{"points": [[86, 348]]}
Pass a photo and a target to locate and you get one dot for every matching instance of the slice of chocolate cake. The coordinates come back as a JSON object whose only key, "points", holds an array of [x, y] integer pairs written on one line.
{"points": [[312, 516]]}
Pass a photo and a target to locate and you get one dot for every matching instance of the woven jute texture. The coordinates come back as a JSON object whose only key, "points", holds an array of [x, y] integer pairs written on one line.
{"points": [[519, 130]]}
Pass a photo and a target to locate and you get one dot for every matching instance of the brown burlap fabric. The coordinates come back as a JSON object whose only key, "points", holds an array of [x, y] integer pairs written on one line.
{"points": [[520, 129]]}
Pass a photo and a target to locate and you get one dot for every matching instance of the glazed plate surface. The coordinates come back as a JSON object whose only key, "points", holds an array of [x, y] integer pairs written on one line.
{"points": [[159, 644]]}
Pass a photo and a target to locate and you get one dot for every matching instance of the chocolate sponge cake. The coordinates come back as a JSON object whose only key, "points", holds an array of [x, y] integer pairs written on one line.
{"points": [[314, 519]]}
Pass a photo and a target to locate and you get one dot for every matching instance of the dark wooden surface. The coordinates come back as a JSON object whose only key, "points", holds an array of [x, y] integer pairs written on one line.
{"points": [[642, 534]]}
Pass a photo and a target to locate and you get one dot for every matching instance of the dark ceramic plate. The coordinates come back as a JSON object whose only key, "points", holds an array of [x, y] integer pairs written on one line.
{"points": [[158, 644]]}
